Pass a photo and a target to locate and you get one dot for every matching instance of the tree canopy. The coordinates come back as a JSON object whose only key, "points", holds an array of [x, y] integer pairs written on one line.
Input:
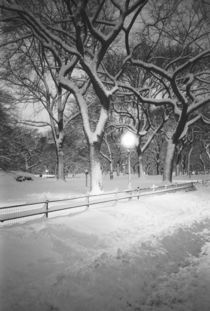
{"points": [[165, 44]]}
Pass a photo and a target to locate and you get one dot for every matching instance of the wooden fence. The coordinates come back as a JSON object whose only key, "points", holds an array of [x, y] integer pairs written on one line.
{"points": [[32, 209]]}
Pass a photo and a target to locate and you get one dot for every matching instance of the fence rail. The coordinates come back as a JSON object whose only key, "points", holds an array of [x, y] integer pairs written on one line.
{"points": [[31, 209]]}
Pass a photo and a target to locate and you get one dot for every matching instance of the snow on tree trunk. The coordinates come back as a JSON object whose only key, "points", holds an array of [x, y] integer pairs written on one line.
{"points": [[179, 161], [60, 157], [96, 184], [168, 167], [60, 136], [94, 140]]}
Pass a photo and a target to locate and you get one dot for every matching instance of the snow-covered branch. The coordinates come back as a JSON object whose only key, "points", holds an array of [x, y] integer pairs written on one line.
{"points": [[151, 67], [196, 105], [188, 124]]}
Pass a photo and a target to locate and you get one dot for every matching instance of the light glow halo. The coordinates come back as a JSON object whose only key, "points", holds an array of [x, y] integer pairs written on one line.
{"points": [[129, 140]]}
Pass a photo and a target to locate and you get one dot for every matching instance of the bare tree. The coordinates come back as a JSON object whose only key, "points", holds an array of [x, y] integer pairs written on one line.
{"points": [[81, 41], [207, 148], [204, 7], [154, 158], [36, 84], [195, 139], [143, 122], [79, 44], [177, 75], [181, 72], [25, 144], [18, 145], [7, 123], [109, 156]]}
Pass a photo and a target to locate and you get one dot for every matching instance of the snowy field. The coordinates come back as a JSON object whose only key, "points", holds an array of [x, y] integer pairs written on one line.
{"points": [[12, 192], [143, 255]]}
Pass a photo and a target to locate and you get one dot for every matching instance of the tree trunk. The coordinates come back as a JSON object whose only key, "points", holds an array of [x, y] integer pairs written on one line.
{"points": [[182, 166], [60, 136], [203, 164], [178, 162], [111, 169], [158, 167], [140, 166], [118, 168], [208, 151], [96, 184], [60, 165], [188, 161], [60, 156], [140, 161], [178, 169], [168, 166], [26, 165]]}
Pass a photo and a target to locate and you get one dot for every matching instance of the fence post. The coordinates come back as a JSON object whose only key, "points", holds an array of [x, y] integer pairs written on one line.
{"points": [[138, 191], [46, 208], [88, 201], [131, 192]]}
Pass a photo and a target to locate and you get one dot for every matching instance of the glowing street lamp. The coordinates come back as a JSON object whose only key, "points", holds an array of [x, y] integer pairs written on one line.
{"points": [[129, 141]]}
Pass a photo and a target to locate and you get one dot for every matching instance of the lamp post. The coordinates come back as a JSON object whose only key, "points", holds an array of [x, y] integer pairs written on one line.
{"points": [[129, 141], [86, 177]]}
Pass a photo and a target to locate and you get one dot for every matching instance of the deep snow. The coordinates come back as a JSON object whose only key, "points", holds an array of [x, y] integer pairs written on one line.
{"points": [[151, 254]]}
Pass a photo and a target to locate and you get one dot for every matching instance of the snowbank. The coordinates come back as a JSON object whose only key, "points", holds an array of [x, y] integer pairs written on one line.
{"points": [[148, 254]]}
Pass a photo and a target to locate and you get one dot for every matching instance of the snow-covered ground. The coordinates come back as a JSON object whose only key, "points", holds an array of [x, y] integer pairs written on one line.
{"points": [[39, 189], [148, 254]]}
